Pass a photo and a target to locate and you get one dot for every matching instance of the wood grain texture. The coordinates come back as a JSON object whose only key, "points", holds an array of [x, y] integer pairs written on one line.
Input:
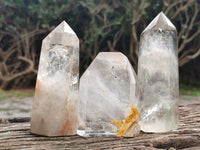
{"points": [[15, 134]]}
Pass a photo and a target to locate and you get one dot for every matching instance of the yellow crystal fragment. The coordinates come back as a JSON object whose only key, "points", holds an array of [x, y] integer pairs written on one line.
{"points": [[130, 126], [119, 123]]}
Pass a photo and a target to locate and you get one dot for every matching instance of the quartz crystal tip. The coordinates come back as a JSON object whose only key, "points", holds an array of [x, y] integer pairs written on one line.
{"points": [[64, 27], [158, 76], [55, 105], [160, 22], [62, 35]]}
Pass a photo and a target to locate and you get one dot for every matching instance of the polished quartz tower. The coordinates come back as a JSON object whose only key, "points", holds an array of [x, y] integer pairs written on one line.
{"points": [[109, 97], [158, 76], [55, 106]]}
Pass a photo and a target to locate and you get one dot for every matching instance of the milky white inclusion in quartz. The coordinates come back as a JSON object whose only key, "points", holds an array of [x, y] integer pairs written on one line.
{"points": [[108, 97], [55, 106], [158, 76]]}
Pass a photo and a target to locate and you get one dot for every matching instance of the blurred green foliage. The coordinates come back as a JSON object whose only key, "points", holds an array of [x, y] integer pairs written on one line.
{"points": [[193, 89], [14, 94], [101, 25]]}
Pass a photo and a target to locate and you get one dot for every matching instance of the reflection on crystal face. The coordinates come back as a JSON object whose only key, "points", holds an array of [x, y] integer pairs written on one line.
{"points": [[55, 106], [158, 76], [58, 60], [107, 89]]}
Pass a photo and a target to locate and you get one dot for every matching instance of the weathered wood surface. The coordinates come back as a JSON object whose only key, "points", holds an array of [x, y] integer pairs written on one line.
{"points": [[15, 134]]}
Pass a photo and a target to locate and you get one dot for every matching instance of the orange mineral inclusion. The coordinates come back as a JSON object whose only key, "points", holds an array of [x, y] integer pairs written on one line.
{"points": [[130, 121], [38, 87]]}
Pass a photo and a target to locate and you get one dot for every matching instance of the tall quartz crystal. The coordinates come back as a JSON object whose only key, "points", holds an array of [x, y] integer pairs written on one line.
{"points": [[108, 95], [158, 76], [55, 106]]}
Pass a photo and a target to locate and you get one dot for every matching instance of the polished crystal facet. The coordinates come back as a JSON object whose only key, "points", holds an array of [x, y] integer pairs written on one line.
{"points": [[158, 76], [108, 97], [55, 106]]}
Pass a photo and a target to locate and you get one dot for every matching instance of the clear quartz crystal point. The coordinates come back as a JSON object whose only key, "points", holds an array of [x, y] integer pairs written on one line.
{"points": [[55, 106], [158, 76], [108, 97]]}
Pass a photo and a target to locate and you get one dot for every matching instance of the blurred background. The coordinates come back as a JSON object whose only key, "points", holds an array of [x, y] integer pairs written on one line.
{"points": [[101, 25]]}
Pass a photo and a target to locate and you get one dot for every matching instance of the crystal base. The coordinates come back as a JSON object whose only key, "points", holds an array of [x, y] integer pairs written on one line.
{"points": [[96, 134]]}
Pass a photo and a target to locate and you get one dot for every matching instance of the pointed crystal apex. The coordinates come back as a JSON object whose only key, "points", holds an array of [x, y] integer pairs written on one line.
{"points": [[61, 35], [160, 22], [64, 27]]}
